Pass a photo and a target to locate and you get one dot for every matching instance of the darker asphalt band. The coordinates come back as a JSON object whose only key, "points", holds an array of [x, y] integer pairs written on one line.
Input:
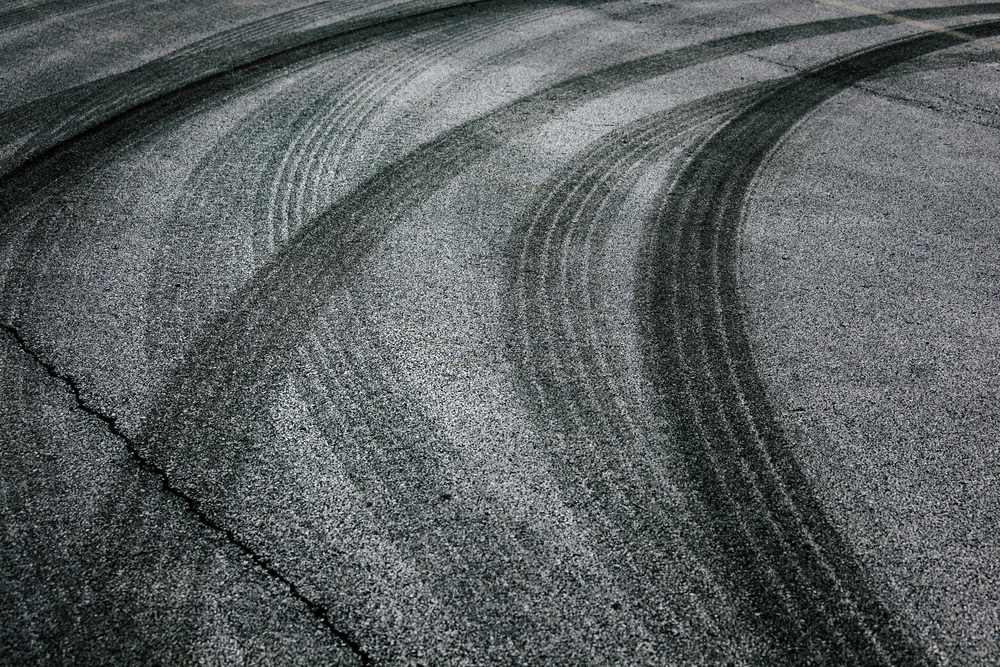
{"points": [[770, 534]]}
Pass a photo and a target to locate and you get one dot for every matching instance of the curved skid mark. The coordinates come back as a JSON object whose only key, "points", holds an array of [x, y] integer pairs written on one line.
{"points": [[126, 95], [819, 604], [562, 372], [353, 111], [244, 348], [45, 123], [325, 252], [268, 150]]}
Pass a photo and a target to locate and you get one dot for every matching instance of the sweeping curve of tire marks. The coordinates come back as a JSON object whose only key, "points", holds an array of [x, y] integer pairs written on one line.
{"points": [[38, 125], [181, 80], [268, 318], [777, 545], [569, 363], [350, 228], [133, 109], [275, 320], [244, 350], [286, 163]]}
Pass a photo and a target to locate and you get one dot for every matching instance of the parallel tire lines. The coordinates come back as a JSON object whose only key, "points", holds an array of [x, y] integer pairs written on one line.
{"points": [[304, 261], [780, 559], [777, 542], [319, 142], [324, 254], [39, 125], [281, 159], [569, 375]]}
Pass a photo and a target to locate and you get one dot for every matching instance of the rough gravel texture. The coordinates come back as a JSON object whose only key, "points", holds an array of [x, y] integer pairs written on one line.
{"points": [[515, 332]]}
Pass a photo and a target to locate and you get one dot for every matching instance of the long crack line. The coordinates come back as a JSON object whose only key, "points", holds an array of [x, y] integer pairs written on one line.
{"points": [[111, 423]]}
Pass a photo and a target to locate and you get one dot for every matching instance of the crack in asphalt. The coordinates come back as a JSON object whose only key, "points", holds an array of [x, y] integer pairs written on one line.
{"points": [[193, 505]]}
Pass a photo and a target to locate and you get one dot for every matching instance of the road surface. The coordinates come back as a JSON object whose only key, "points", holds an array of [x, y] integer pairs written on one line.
{"points": [[508, 332]]}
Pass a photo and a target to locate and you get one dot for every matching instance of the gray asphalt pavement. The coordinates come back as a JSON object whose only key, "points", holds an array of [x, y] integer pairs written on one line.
{"points": [[500, 333]]}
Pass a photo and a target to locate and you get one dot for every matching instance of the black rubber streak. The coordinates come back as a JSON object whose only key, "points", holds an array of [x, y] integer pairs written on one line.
{"points": [[599, 444], [266, 319], [56, 118], [773, 537]]}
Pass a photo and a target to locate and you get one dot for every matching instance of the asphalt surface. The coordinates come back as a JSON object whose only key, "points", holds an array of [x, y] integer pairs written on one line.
{"points": [[500, 333]]}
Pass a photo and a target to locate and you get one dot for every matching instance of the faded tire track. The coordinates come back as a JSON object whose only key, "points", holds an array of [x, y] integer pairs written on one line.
{"points": [[666, 520]]}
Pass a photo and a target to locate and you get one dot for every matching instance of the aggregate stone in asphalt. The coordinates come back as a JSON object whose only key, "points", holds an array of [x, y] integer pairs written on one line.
{"points": [[512, 332]]}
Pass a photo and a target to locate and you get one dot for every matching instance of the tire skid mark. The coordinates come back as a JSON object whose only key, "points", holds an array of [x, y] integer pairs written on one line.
{"points": [[261, 326], [341, 112], [811, 591], [55, 185], [582, 286], [61, 117], [246, 343], [32, 12], [70, 152], [252, 341], [41, 124], [350, 112], [310, 155], [206, 207], [354, 111], [571, 381], [269, 43], [742, 507], [589, 196], [391, 457], [253, 145], [67, 156], [446, 547]]}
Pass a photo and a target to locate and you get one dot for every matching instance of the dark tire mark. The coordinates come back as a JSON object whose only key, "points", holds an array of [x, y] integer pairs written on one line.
{"points": [[568, 379], [774, 539], [331, 245], [396, 459], [35, 127], [40, 126], [246, 347], [283, 157], [243, 350], [33, 12]]}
